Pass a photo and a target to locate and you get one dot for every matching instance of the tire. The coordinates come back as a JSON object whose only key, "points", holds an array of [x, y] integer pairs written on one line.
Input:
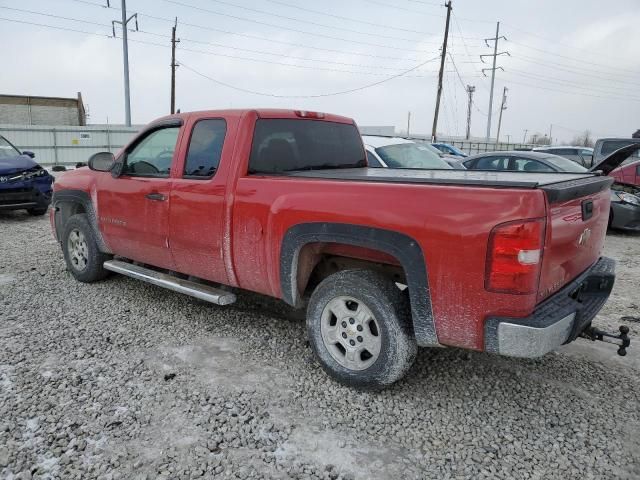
{"points": [[36, 212], [84, 259], [370, 353]]}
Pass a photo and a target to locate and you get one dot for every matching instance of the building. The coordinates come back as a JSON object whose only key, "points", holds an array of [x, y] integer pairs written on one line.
{"points": [[29, 110], [637, 134]]}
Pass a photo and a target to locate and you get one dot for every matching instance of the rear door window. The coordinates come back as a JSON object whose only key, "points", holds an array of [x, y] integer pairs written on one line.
{"points": [[284, 145], [491, 163], [528, 165], [205, 148]]}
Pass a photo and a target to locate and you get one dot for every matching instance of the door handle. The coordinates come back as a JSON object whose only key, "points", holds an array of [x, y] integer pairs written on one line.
{"points": [[158, 197]]}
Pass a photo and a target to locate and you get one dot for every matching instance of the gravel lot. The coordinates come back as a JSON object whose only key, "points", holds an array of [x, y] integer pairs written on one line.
{"points": [[124, 380]]}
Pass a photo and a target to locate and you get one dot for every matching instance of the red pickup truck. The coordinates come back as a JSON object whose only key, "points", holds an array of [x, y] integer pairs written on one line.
{"points": [[282, 203]]}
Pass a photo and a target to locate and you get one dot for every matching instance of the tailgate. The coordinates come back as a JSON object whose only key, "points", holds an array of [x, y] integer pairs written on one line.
{"points": [[577, 218]]}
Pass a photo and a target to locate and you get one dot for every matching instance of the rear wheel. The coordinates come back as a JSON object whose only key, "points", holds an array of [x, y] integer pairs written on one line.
{"points": [[81, 253], [359, 327]]}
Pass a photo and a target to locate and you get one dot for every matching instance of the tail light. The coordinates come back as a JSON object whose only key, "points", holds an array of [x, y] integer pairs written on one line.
{"points": [[514, 257], [307, 114]]}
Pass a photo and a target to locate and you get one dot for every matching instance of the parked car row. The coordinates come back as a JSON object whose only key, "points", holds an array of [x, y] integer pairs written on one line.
{"points": [[394, 152]]}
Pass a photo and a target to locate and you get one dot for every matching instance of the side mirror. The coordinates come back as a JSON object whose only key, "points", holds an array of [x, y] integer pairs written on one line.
{"points": [[29, 154], [102, 161]]}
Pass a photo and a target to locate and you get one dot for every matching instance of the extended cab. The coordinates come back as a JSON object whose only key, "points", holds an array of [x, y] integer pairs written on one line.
{"points": [[282, 203]]}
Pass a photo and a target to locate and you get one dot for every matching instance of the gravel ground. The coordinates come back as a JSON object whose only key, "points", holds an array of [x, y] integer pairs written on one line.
{"points": [[124, 380]]}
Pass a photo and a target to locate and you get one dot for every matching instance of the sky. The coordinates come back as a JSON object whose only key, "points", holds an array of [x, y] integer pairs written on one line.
{"points": [[573, 64]]}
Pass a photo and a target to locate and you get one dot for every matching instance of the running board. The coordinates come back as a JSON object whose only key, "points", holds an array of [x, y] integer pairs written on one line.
{"points": [[197, 290]]}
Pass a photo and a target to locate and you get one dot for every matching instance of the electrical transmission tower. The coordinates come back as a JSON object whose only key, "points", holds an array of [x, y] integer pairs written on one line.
{"points": [[125, 55], [493, 69], [470, 90]]}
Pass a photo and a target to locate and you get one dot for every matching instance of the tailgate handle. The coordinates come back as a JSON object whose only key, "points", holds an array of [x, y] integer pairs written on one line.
{"points": [[587, 209]]}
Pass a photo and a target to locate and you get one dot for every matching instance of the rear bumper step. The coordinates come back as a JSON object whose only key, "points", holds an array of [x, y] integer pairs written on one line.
{"points": [[558, 320], [193, 289]]}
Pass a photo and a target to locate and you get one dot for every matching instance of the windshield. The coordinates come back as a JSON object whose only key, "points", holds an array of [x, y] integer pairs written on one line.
{"points": [[565, 165], [7, 150], [411, 155], [610, 146]]}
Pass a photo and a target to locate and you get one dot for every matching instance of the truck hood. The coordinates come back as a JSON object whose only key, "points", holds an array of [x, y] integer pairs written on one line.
{"points": [[613, 161], [16, 164]]}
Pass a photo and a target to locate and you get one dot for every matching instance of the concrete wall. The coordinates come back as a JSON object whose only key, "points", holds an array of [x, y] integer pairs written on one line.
{"points": [[27, 110]]}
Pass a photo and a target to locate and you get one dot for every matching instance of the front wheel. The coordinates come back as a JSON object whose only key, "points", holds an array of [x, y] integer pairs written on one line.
{"points": [[359, 327], [81, 253]]}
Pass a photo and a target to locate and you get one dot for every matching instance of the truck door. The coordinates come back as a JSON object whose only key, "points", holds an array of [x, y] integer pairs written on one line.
{"points": [[133, 209], [197, 213]]}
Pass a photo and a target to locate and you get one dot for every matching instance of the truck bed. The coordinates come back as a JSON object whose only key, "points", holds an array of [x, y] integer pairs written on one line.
{"points": [[557, 186], [443, 177]]}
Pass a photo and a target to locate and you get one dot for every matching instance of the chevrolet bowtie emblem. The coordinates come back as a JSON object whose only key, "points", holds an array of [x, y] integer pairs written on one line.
{"points": [[584, 237]]}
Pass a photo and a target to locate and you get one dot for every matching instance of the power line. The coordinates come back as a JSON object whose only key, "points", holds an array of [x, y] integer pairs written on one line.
{"points": [[587, 72], [350, 19], [563, 82], [281, 27], [264, 39], [547, 52], [308, 22], [59, 17], [105, 35], [555, 41], [234, 48], [331, 94]]}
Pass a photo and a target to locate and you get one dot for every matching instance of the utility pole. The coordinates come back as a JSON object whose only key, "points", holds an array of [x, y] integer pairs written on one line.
{"points": [[503, 106], [470, 90], [524, 137], [493, 69], [408, 123], [174, 65], [125, 55], [550, 131], [444, 55], [508, 139]]}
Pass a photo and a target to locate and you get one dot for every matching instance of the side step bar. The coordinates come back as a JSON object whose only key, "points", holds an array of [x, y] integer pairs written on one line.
{"points": [[197, 290]]}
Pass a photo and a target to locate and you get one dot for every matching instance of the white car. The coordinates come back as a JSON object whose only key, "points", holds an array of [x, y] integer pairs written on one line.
{"points": [[396, 152]]}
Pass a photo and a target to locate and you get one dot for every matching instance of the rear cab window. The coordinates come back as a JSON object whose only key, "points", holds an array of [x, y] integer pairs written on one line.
{"points": [[286, 145]]}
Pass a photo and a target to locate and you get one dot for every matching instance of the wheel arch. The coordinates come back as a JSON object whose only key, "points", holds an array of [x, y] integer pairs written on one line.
{"points": [[67, 203], [405, 250]]}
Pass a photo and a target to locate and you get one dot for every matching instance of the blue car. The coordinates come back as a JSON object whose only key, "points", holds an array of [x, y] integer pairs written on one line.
{"points": [[24, 185], [449, 149]]}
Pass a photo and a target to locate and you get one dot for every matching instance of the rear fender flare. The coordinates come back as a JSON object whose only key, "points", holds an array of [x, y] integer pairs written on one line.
{"points": [[402, 247]]}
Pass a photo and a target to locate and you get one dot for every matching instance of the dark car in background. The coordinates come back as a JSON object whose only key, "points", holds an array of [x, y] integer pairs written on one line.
{"points": [[520, 161], [24, 185], [625, 197], [581, 155]]}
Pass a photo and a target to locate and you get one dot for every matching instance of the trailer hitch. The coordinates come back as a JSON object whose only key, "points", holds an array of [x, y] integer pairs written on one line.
{"points": [[623, 341]]}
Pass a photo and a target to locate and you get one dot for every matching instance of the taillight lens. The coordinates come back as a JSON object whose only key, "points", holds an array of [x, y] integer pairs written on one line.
{"points": [[514, 257]]}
